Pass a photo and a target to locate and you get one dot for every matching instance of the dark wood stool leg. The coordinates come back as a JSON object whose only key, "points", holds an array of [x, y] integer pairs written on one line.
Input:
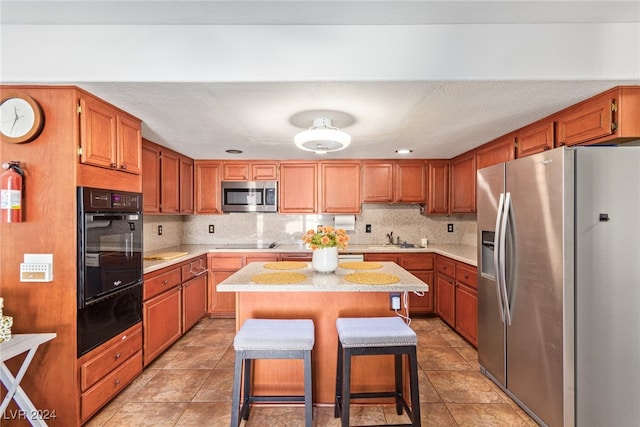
{"points": [[246, 406], [235, 399], [338, 400], [399, 381], [346, 387], [415, 391], [308, 390]]}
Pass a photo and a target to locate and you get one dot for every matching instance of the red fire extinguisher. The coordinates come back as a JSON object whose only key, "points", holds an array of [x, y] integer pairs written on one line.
{"points": [[11, 192]]}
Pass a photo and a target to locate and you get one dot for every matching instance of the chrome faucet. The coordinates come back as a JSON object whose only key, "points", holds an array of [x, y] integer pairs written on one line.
{"points": [[390, 238]]}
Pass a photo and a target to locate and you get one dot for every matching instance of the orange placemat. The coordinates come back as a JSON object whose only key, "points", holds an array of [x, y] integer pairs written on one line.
{"points": [[286, 265], [372, 278]]}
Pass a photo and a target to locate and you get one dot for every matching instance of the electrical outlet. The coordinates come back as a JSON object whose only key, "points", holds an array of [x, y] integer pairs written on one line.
{"points": [[159, 230], [394, 299], [450, 228], [212, 228], [319, 227], [367, 228]]}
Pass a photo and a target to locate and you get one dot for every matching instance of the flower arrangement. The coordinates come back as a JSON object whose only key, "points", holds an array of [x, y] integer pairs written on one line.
{"points": [[326, 237]]}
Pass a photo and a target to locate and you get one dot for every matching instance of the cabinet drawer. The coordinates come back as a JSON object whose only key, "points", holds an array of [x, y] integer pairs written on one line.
{"points": [[194, 268], [467, 274], [112, 357], [446, 266], [110, 385], [417, 261], [160, 283], [226, 263], [383, 257]]}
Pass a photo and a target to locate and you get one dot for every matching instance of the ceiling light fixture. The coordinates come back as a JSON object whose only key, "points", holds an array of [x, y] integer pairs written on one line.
{"points": [[322, 137], [404, 151]]}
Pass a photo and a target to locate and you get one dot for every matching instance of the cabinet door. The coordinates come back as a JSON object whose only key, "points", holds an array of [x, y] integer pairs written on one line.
{"points": [[422, 304], [194, 301], [466, 316], [170, 182], [587, 121], [409, 182], [535, 138], [235, 171], [463, 184], [298, 187], [221, 304], [340, 184], [388, 257], [499, 151], [129, 152], [207, 177], [445, 299], [150, 177], [98, 133], [377, 182], [302, 257], [264, 171], [161, 322], [186, 185], [438, 201]]}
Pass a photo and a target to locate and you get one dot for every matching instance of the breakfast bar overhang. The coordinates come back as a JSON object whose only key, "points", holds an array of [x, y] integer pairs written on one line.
{"points": [[321, 297]]}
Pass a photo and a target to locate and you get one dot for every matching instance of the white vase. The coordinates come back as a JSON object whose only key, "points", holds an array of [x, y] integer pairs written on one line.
{"points": [[325, 260]]}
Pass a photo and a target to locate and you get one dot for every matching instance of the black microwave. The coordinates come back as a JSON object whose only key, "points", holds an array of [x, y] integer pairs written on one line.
{"points": [[249, 196]]}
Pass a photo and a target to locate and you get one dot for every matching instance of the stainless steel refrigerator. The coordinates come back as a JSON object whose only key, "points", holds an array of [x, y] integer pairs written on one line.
{"points": [[559, 284]]}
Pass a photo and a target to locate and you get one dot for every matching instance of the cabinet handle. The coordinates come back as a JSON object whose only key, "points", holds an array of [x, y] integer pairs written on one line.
{"points": [[114, 166], [466, 276], [117, 356], [124, 337], [165, 282], [123, 167], [117, 382]]}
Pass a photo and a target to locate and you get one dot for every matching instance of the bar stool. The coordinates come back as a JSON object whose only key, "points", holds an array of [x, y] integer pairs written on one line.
{"points": [[271, 339], [375, 336]]}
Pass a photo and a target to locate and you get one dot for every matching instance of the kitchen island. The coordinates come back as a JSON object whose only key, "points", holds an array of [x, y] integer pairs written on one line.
{"points": [[323, 298]]}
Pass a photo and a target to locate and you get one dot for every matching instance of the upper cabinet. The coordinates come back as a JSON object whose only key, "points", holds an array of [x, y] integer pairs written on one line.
{"points": [[463, 183], [612, 115], [249, 170], [535, 138], [390, 181], [298, 187], [335, 196], [167, 180], [207, 181], [438, 178], [109, 137], [497, 151]]}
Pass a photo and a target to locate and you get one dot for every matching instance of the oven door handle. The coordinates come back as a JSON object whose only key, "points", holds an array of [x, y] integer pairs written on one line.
{"points": [[111, 294]]}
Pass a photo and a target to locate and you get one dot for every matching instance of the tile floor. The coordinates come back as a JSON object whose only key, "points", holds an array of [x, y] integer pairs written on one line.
{"points": [[190, 385]]}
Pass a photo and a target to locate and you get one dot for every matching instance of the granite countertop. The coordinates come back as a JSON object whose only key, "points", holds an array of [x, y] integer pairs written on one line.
{"points": [[462, 253], [321, 282]]}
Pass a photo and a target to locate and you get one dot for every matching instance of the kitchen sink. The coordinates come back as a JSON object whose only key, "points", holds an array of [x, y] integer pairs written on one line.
{"points": [[394, 246]]}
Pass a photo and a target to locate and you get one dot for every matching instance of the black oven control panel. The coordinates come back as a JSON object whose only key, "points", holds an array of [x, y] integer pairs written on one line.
{"points": [[96, 199]]}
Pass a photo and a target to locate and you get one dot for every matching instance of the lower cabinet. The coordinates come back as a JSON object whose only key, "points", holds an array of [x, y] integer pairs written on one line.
{"points": [[174, 299], [457, 296], [108, 369], [420, 265], [223, 265]]}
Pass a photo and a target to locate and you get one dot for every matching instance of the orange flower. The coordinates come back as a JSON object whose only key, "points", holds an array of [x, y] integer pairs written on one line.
{"points": [[326, 237]]}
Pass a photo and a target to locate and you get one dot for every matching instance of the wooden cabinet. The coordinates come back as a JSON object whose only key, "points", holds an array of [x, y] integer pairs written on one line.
{"points": [[109, 137], [291, 256], [498, 151], [108, 369], [174, 299], [420, 265], [249, 171], [393, 181], [463, 183], [207, 177], [535, 138], [167, 180], [340, 187], [298, 187], [377, 182], [438, 179], [457, 296], [221, 266], [609, 116]]}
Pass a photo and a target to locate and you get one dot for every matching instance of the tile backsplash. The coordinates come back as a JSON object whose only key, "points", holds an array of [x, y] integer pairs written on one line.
{"points": [[404, 221]]}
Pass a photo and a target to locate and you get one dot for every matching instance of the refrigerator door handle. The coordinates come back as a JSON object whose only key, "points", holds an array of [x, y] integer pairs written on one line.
{"points": [[496, 257], [502, 251]]}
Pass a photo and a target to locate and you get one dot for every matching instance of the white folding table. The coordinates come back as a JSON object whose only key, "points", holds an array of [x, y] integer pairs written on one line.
{"points": [[19, 344]]}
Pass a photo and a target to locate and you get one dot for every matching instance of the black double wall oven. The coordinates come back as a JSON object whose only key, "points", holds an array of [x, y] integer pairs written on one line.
{"points": [[110, 265]]}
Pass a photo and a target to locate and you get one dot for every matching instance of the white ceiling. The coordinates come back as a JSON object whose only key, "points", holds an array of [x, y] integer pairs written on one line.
{"points": [[438, 77]]}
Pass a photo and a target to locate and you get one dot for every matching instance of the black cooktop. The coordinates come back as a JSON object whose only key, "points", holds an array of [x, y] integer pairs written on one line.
{"points": [[247, 246]]}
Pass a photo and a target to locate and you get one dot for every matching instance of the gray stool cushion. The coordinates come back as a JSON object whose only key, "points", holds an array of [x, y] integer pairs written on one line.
{"points": [[374, 332], [275, 334]]}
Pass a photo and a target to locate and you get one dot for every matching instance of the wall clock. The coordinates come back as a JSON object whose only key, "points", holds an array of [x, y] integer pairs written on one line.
{"points": [[21, 118]]}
